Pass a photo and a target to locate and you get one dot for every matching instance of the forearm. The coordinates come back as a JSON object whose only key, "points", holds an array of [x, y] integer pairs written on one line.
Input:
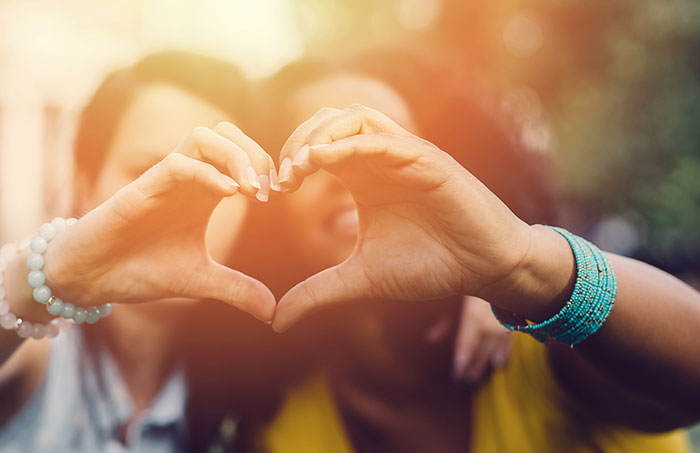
{"points": [[649, 345]]}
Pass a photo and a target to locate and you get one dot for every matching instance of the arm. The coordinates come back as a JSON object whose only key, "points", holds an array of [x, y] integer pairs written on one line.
{"points": [[429, 229], [642, 367]]}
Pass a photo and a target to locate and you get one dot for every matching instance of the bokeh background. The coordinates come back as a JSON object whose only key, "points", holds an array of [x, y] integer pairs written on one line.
{"points": [[610, 89]]}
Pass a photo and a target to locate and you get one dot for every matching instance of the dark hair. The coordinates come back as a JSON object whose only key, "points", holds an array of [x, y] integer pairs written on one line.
{"points": [[453, 109], [222, 85], [216, 82]]}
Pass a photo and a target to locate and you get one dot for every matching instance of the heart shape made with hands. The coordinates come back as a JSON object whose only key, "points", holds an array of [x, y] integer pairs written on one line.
{"points": [[427, 228]]}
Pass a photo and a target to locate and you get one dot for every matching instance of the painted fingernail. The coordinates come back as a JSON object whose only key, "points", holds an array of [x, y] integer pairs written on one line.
{"points": [[285, 170], [274, 181], [264, 192], [302, 156], [230, 181], [252, 177]]}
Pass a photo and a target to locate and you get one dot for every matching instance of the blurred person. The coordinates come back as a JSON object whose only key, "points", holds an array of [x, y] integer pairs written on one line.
{"points": [[122, 384], [385, 388]]}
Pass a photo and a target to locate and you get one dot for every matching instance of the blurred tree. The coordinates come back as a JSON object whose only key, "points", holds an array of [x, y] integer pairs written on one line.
{"points": [[618, 82]]}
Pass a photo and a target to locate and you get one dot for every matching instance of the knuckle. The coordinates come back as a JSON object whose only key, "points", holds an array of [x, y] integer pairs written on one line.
{"points": [[356, 107], [324, 111], [237, 291], [200, 133], [224, 126]]}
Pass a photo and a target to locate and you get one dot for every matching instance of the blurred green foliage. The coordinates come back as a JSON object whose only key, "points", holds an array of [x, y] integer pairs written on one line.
{"points": [[619, 82]]}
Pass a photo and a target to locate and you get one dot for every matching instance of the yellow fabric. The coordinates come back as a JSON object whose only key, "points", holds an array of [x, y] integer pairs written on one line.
{"points": [[520, 409], [307, 423]]}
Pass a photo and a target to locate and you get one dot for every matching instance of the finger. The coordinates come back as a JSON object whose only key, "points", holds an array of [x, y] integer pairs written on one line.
{"points": [[383, 148], [481, 358], [296, 141], [345, 282], [177, 168], [257, 155], [205, 144], [501, 352], [466, 344], [235, 288], [351, 121]]}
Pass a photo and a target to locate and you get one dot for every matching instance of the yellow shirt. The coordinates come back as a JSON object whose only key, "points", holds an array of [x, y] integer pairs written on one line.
{"points": [[521, 408]]}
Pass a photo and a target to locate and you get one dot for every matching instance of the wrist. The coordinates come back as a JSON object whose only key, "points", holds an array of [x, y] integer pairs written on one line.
{"points": [[19, 293], [539, 286]]}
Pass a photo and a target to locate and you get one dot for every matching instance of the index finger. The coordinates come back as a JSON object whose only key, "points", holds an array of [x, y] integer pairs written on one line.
{"points": [[287, 179]]}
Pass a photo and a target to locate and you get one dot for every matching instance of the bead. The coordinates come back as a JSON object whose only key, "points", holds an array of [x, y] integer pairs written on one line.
{"points": [[38, 245], [93, 315], [8, 251], [7, 321], [80, 315], [42, 294], [4, 307], [35, 261], [25, 329], [71, 221], [59, 224], [105, 310], [38, 331], [47, 231], [36, 278], [51, 330], [68, 310], [56, 308]]}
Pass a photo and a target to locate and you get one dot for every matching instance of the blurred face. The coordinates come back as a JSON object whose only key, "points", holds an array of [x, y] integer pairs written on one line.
{"points": [[324, 214], [159, 117]]}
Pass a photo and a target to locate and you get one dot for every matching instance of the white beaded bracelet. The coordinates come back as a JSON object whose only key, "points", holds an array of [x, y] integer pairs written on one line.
{"points": [[9, 321], [37, 279]]}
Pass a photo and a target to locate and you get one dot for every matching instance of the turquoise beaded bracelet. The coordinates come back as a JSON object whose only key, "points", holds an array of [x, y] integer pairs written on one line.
{"points": [[591, 301], [37, 279]]}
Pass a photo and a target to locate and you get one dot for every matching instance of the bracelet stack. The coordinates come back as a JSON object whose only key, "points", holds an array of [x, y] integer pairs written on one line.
{"points": [[590, 304], [42, 293]]}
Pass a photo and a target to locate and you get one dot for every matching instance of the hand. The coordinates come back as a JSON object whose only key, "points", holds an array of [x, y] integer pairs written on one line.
{"points": [[481, 341], [428, 228], [146, 242]]}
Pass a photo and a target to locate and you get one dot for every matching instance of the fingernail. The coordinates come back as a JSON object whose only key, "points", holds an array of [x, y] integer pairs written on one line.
{"points": [[264, 192], [319, 146], [301, 157], [274, 181], [230, 181], [285, 170], [252, 177]]}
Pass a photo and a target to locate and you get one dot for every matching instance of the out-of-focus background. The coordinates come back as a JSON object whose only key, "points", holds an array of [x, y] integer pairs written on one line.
{"points": [[611, 89]]}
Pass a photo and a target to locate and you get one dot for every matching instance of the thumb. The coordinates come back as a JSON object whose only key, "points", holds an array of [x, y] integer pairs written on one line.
{"points": [[235, 288], [345, 282]]}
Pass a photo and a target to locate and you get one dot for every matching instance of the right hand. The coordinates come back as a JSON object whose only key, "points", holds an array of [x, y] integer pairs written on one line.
{"points": [[147, 241]]}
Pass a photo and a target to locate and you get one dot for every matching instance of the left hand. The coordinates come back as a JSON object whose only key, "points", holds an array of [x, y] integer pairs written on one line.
{"points": [[481, 341], [428, 228]]}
